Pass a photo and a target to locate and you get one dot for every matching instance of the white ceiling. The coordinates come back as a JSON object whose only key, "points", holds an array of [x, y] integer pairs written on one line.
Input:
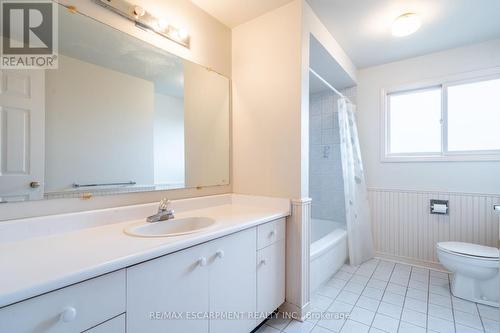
{"points": [[362, 27], [83, 38], [235, 12]]}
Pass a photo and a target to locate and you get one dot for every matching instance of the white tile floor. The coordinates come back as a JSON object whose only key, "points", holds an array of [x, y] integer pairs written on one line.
{"points": [[381, 296]]}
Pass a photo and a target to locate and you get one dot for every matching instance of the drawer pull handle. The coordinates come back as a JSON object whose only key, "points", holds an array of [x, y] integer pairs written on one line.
{"points": [[263, 262], [272, 233], [202, 261], [220, 254], [68, 315]]}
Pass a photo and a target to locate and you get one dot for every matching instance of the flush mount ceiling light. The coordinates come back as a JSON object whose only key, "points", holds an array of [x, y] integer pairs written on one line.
{"points": [[406, 24], [146, 20]]}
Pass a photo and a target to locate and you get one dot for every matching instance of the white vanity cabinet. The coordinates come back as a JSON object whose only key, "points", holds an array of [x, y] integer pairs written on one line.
{"points": [[220, 286], [270, 266], [76, 308], [232, 281], [217, 277], [115, 325]]}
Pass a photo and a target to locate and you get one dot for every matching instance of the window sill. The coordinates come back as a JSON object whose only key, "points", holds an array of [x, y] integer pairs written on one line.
{"points": [[440, 158]]}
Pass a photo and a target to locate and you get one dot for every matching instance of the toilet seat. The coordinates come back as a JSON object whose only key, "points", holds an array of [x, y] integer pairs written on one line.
{"points": [[470, 250], [475, 271]]}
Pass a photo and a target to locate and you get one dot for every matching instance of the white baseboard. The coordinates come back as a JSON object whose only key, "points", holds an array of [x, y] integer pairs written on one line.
{"points": [[411, 261]]}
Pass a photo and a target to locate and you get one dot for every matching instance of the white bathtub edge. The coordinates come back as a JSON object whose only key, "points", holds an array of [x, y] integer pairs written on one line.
{"points": [[328, 254], [324, 244]]}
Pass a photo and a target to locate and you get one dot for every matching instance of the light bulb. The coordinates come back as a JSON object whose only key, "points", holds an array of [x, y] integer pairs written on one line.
{"points": [[139, 11], [162, 24], [182, 33], [405, 25]]}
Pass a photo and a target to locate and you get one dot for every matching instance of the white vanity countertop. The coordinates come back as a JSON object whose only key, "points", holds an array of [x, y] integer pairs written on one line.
{"points": [[44, 262]]}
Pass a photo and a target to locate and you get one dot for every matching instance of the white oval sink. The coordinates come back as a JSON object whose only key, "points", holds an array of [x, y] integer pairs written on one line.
{"points": [[170, 228]]}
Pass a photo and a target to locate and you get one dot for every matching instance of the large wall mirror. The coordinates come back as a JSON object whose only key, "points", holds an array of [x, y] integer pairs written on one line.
{"points": [[118, 115]]}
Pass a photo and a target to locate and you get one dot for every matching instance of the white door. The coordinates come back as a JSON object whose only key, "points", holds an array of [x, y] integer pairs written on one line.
{"points": [[233, 282], [167, 294], [22, 126]]}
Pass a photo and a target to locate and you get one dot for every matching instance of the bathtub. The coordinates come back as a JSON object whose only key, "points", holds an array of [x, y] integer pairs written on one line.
{"points": [[328, 250]]}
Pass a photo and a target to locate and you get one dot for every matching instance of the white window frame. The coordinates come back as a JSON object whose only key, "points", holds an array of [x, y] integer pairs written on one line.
{"points": [[444, 155]]}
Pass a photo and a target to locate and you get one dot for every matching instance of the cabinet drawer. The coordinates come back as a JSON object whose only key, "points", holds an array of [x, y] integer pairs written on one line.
{"points": [[270, 232], [71, 309], [271, 277], [115, 325]]}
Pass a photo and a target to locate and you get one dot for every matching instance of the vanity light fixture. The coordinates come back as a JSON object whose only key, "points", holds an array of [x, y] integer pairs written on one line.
{"points": [[146, 20], [406, 24], [138, 12], [162, 24]]}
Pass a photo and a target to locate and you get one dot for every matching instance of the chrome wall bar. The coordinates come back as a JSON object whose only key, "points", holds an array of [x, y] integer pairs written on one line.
{"points": [[75, 185]]}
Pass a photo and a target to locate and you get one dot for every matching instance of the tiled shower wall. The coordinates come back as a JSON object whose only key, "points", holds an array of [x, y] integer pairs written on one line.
{"points": [[326, 186]]}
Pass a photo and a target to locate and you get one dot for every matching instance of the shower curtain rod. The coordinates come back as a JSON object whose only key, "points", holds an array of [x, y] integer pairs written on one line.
{"points": [[329, 85]]}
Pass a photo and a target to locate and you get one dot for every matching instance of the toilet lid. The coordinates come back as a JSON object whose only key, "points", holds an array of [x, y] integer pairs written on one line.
{"points": [[470, 249]]}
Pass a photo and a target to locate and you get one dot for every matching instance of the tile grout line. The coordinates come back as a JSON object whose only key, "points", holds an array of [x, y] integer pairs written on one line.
{"points": [[341, 327], [334, 299], [451, 300], [354, 305], [404, 300], [375, 312], [480, 318], [384, 290], [361, 294], [428, 300], [380, 302]]}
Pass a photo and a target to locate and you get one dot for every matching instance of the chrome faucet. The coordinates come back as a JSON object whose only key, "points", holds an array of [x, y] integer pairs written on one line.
{"points": [[165, 212]]}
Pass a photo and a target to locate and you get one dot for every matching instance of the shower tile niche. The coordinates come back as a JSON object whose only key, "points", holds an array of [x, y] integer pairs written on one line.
{"points": [[326, 187]]}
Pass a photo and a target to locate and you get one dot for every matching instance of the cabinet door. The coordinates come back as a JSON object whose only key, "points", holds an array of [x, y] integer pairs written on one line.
{"points": [[115, 325], [271, 277], [162, 294], [71, 309], [233, 282]]}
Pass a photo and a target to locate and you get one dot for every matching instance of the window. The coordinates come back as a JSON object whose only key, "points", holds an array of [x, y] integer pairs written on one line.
{"points": [[457, 120], [474, 116], [415, 122]]}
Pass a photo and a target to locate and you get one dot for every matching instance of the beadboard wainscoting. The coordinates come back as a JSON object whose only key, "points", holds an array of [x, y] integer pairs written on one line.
{"points": [[404, 229]]}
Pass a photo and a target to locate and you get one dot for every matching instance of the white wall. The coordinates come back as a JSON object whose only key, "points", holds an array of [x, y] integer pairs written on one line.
{"points": [[168, 140], [400, 193], [266, 103], [311, 25], [98, 126], [271, 123], [271, 99], [480, 177]]}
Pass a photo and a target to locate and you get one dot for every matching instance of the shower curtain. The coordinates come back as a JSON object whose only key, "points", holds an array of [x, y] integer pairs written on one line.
{"points": [[359, 233]]}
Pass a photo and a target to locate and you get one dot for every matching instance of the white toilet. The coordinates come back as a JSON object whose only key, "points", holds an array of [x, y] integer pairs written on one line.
{"points": [[475, 271]]}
